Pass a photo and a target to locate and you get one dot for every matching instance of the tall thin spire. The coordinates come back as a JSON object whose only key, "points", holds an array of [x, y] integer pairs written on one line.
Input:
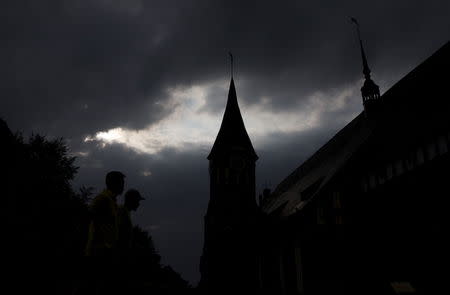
{"points": [[370, 91], [366, 69], [232, 134]]}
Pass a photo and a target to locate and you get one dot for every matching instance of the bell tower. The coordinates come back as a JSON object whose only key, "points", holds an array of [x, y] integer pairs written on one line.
{"points": [[229, 260]]}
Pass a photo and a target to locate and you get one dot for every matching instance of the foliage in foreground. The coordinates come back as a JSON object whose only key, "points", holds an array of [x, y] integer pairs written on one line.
{"points": [[45, 220]]}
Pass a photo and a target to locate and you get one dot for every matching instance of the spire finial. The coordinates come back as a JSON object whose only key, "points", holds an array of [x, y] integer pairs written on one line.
{"points": [[231, 62], [366, 69]]}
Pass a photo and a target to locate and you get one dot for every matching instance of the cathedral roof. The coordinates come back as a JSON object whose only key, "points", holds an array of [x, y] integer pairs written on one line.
{"points": [[232, 136], [296, 190], [418, 96]]}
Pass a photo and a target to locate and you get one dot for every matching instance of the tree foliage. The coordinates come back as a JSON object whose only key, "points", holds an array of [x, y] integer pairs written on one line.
{"points": [[46, 220]]}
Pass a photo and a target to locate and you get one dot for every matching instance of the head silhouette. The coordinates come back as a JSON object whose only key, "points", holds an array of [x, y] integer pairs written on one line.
{"points": [[115, 182], [132, 199]]}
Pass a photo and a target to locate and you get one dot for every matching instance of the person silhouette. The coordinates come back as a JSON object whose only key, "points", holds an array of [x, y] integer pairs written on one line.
{"points": [[132, 200], [103, 233], [127, 259], [103, 229]]}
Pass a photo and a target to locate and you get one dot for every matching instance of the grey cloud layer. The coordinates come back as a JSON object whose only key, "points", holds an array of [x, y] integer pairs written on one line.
{"points": [[75, 67]]}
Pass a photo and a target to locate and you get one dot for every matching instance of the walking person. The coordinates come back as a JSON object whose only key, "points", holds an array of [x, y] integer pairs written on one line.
{"points": [[101, 247], [103, 229], [132, 200]]}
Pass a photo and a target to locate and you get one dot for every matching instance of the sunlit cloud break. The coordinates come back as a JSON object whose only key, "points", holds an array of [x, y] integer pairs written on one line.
{"points": [[190, 126]]}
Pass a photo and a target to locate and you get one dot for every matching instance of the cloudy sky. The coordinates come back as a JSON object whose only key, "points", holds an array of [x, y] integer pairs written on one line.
{"points": [[140, 86]]}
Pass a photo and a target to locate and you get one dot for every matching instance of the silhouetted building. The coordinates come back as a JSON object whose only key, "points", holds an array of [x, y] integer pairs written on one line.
{"points": [[368, 212], [229, 260]]}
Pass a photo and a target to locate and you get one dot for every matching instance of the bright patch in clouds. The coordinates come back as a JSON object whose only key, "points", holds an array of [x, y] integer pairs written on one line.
{"points": [[147, 173], [80, 154], [189, 126], [184, 128]]}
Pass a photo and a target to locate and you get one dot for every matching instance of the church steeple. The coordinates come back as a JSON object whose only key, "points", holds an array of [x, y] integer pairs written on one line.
{"points": [[228, 262], [232, 136], [370, 91]]}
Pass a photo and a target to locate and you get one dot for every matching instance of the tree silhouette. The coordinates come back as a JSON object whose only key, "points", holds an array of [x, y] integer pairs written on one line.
{"points": [[40, 202], [45, 221]]}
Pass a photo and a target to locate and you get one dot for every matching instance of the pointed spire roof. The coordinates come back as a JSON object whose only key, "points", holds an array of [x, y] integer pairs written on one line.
{"points": [[370, 91], [232, 135], [366, 69]]}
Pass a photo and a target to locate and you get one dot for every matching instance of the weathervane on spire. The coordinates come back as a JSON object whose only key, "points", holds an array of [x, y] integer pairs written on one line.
{"points": [[231, 62]]}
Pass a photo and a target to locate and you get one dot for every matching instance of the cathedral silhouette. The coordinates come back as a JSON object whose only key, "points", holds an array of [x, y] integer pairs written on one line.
{"points": [[366, 213]]}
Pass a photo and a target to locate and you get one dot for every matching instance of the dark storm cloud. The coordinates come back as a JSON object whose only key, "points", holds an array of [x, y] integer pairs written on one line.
{"points": [[77, 67]]}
